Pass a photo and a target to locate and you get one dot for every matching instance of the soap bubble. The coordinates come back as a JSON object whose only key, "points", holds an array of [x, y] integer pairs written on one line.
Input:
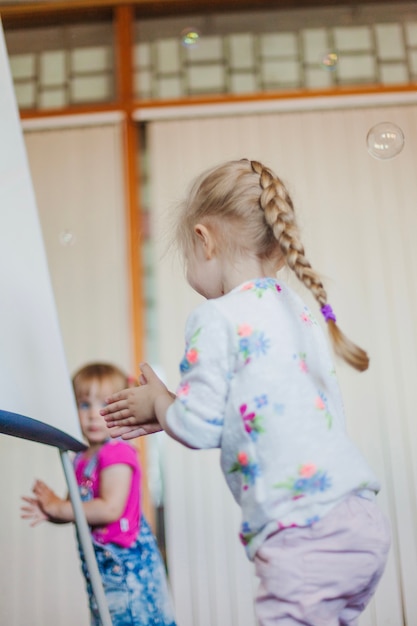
{"points": [[385, 140], [329, 60], [190, 37], [66, 238]]}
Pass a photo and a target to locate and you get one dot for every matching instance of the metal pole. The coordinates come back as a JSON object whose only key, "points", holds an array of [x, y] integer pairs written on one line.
{"points": [[85, 539]]}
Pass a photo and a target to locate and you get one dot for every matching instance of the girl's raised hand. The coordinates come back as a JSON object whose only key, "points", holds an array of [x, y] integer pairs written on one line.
{"points": [[31, 510], [131, 432], [47, 499], [131, 413]]}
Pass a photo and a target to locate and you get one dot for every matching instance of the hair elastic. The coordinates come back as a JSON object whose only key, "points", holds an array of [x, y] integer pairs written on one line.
{"points": [[327, 312]]}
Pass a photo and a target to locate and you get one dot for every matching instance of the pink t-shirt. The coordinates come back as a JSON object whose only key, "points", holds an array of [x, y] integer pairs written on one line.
{"points": [[124, 531]]}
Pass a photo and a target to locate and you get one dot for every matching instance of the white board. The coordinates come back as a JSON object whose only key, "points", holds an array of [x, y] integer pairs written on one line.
{"points": [[36, 398]]}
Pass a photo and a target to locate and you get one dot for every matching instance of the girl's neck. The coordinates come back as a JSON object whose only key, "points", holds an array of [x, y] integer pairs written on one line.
{"points": [[247, 269], [94, 448]]}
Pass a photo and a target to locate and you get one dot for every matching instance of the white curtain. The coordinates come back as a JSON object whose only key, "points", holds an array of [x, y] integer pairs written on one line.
{"points": [[359, 220], [78, 179]]}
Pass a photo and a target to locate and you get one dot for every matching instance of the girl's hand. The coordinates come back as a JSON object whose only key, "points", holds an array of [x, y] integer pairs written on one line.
{"points": [[131, 413], [131, 432], [32, 511], [49, 503]]}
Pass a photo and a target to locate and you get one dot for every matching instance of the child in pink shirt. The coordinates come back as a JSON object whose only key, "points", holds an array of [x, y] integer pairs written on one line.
{"points": [[108, 474]]}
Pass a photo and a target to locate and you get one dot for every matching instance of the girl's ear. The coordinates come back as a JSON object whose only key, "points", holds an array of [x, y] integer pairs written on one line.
{"points": [[205, 237]]}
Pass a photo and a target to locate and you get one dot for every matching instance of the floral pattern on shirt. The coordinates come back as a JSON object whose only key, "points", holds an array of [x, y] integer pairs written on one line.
{"points": [[183, 389], [307, 317], [251, 342], [321, 405], [261, 285], [252, 421], [247, 468], [301, 360], [309, 480], [191, 353], [246, 534]]}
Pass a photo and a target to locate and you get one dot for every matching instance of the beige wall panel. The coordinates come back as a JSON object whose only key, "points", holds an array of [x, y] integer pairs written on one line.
{"points": [[77, 175], [359, 222]]}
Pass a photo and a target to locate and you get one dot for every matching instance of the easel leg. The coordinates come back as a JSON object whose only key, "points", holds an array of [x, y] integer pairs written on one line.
{"points": [[85, 539]]}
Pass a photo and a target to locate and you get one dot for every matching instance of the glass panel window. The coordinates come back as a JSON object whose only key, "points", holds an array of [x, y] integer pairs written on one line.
{"points": [[25, 95], [279, 45], [350, 38], [53, 68], [241, 49], [389, 41], [411, 33], [90, 89], [280, 73], [318, 79], [413, 63], [22, 65], [170, 87], [303, 48], [142, 55], [206, 78], [358, 68], [95, 59], [393, 73], [143, 83], [167, 55], [244, 82], [53, 99], [236, 52], [315, 44], [58, 66], [206, 49]]}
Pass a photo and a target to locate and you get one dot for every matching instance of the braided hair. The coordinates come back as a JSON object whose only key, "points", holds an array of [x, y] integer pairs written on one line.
{"points": [[251, 211]]}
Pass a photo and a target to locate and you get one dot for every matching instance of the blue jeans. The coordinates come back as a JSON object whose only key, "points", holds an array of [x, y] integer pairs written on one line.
{"points": [[134, 582]]}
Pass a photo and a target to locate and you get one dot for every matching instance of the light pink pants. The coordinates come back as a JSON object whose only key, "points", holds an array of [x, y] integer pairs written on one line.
{"points": [[325, 574]]}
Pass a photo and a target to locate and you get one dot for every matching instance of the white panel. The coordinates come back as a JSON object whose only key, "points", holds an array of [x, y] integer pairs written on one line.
{"points": [[358, 221], [34, 379]]}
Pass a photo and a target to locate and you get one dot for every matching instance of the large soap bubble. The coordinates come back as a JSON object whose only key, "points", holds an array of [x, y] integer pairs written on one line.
{"points": [[385, 140]]}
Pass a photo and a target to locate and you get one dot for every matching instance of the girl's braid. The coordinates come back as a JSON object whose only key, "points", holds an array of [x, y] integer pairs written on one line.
{"points": [[279, 215]]}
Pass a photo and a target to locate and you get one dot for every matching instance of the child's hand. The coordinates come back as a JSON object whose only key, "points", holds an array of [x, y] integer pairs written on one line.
{"points": [[131, 413], [131, 432], [32, 511], [47, 500]]}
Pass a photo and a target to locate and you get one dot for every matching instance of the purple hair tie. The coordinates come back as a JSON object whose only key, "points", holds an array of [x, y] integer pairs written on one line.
{"points": [[327, 312]]}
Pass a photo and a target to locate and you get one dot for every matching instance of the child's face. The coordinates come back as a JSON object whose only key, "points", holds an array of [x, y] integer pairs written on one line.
{"points": [[90, 399]]}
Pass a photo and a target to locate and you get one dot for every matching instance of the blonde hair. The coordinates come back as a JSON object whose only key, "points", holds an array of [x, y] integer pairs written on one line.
{"points": [[83, 378], [249, 207]]}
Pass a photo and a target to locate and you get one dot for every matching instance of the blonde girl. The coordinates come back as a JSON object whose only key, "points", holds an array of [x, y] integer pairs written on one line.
{"points": [[258, 382], [109, 479]]}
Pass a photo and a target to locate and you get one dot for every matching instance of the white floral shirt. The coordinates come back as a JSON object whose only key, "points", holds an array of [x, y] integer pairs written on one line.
{"points": [[258, 382]]}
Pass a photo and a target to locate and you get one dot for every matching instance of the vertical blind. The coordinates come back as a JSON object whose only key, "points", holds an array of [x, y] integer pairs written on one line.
{"points": [[358, 220]]}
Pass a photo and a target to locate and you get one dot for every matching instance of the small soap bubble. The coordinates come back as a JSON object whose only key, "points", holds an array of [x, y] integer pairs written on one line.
{"points": [[329, 60], [190, 37], [66, 238], [385, 140]]}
